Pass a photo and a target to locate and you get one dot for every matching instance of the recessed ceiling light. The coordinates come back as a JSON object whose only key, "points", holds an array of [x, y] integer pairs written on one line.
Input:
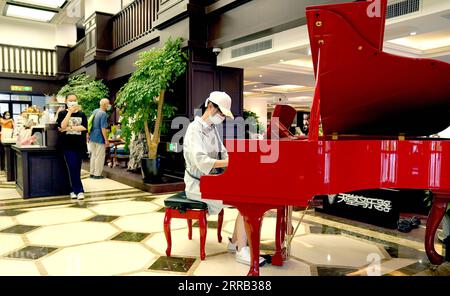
{"points": [[260, 76], [255, 86], [281, 61], [425, 41], [29, 13], [413, 33], [302, 62], [44, 3], [287, 88]]}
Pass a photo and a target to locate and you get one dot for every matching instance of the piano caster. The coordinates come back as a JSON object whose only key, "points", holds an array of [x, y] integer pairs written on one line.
{"points": [[277, 260], [279, 257]]}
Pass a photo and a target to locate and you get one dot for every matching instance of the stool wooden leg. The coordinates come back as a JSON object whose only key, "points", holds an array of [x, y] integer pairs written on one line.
{"points": [[189, 221], [167, 219], [219, 227], [203, 229]]}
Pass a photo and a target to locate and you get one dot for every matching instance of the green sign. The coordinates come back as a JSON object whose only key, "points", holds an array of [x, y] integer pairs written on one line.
{"points": [[21, 88], [172, 147]]}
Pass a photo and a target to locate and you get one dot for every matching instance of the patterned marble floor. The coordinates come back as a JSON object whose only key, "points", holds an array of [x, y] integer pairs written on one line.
{"points": [[118, 230]]}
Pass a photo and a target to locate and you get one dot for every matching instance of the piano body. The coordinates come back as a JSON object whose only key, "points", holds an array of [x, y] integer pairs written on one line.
{"points": [[368, 102]]}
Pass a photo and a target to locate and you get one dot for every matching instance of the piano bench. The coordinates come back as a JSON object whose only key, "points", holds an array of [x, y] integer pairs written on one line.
{"points": [[179, 207]]}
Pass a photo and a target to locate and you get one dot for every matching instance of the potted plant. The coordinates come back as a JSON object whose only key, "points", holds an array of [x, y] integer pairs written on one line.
{"points": [[89, 91], [255, 125], [141, 100]]}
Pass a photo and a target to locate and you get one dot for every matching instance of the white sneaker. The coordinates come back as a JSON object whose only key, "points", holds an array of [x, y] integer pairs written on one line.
{"points": [[80, 196], [73, 195], [231, 247], [441, 236], [243, 256]]}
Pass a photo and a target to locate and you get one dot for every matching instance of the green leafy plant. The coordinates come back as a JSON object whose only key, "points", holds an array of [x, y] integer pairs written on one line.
{"points": [[256, 125], [141, 99], [89, 91]]}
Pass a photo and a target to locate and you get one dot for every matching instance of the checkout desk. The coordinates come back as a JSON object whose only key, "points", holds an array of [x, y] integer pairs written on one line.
{"points": [[2, 157], [9, 161], [40, 171]]}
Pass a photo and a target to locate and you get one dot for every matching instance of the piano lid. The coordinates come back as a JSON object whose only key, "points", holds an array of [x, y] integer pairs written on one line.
{"points": [[282, 118], [362, 90], [370, 27]]}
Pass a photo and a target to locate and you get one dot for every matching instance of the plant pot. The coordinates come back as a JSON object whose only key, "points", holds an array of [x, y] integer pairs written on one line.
{"points": [[150, 169]]}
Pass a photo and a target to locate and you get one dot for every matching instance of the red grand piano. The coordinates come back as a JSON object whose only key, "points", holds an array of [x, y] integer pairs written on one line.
{"points": [[374, 108]]}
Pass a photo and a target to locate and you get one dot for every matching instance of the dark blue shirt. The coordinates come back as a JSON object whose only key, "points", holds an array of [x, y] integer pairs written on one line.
{"points": [[100, 121]]}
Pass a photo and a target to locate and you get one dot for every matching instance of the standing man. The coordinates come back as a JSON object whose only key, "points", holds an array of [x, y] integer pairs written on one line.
{"points": [[99, 139]]}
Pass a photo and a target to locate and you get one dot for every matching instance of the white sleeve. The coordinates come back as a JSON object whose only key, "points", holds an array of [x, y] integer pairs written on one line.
{"points": [[198, 153], [224, 151]]}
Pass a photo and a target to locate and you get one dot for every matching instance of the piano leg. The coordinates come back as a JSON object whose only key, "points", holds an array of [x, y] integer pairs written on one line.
{"points": [[278, 257], [440, 202], [253, 215]]}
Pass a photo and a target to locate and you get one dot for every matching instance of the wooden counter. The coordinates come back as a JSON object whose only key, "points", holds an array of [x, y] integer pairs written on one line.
{"points": [[10, 169], [41, 171]]}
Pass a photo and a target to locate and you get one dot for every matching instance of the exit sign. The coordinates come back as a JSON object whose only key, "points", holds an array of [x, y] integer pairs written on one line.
{"points": [[21, 88], [173, 147]]}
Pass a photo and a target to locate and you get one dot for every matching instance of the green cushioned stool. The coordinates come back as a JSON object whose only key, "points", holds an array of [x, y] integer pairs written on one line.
{"points": [[179, 206]]}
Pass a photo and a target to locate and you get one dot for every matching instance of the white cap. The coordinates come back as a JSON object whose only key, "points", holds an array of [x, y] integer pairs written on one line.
{"points": [[221, 99]]}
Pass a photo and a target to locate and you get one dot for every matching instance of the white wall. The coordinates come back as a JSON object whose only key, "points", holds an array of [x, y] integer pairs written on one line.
{"points": [[259, 106], [66, 35], [35, 34], [107, 6]]}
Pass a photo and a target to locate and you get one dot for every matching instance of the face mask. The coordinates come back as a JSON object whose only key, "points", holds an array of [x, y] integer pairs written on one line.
{"points": [[72, 104], [7, 117], [216, 119], [109, 108]]}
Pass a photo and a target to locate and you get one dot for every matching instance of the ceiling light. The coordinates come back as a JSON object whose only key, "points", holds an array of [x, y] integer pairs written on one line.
{"points": [[29, 13], [255, 86], [425, 41], [260, 76], [281, 61], [287, 88], [44, 3], [413, 33], [303, 99], [247, 82], [303, 62]]}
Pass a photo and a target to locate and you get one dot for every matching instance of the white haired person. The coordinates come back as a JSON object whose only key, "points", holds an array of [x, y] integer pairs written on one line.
{"points": [[205, 154], [98, 139]]}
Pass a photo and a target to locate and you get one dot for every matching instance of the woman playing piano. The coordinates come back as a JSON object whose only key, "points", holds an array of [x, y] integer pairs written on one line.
{"points": [[205, 154]]}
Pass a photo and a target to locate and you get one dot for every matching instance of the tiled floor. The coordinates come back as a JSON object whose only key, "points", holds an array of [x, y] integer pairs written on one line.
{"points": [[118, 230]]}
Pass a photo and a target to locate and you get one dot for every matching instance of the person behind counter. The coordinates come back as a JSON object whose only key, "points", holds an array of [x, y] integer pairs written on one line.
{"points": [[6, 121], [72, 124], [7, 124]]}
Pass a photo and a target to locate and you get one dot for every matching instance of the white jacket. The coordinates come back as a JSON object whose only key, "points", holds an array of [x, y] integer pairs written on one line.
{"points": [[201, 148]]}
